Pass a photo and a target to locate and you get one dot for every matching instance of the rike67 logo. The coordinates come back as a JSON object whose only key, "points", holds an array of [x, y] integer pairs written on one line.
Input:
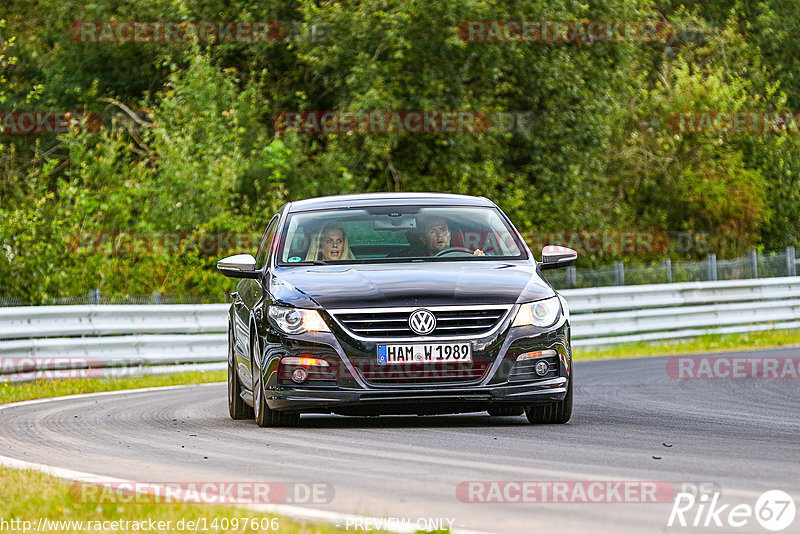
{"points": [[774, 510]]}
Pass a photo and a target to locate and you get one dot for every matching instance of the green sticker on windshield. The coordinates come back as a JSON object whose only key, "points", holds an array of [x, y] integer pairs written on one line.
{"points": [[295, 258]]}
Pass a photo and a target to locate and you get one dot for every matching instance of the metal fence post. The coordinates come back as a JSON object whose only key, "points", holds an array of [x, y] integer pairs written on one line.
{"points": [[712, 267], [619, 273], [791, 263], [156, 297], [754, 263], [571, 276], [94, 296], [668, 267]]}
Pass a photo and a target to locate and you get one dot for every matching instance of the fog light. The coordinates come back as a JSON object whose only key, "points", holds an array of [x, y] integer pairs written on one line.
{"points": [[542, 367], [299, 375]]}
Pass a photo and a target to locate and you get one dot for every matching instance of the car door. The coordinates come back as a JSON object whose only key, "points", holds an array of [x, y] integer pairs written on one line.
{"points": [[248, 293]]}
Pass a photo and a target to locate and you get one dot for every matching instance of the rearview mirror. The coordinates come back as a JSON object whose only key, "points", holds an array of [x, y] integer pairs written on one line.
{"points": [[554, 257], [238, 266]]}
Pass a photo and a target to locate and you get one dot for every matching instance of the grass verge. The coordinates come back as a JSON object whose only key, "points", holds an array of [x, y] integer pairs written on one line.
{"points": [[20, 391], [703, 344], [26, 497], [31, 496]]}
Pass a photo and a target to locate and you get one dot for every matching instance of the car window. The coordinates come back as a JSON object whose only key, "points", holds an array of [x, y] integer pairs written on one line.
{"points": [[266, 240], [398, 233]]}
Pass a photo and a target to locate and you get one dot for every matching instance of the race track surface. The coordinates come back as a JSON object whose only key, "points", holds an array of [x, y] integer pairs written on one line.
{"points": [[741, 437]]}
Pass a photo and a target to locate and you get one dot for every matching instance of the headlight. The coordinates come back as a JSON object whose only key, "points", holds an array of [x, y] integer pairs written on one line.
{"points": [[296, 320], [540, 313]]}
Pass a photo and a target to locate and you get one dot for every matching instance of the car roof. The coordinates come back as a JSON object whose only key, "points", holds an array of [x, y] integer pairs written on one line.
{"points": [[388, 199]]}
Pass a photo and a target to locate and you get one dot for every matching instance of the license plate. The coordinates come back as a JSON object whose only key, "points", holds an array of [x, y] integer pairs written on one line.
{"points": [[425, 353]]}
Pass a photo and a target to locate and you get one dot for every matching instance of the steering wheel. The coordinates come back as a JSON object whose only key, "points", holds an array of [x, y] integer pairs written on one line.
{"points": [[453, 250]]}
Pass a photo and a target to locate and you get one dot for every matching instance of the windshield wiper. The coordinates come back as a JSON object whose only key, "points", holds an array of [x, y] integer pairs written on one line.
{"points": [[320, 262]]}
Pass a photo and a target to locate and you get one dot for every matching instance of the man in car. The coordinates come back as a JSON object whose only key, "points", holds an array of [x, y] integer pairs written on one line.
{"points": [[436, 236]]}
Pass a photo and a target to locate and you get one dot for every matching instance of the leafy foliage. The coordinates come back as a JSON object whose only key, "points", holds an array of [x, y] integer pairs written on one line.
{"points": [[188, 143]]}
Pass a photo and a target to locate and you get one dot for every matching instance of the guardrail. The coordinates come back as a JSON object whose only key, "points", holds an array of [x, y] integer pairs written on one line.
{"points": [[104, 320], [110, 339], [612, 315], [147, 337]]}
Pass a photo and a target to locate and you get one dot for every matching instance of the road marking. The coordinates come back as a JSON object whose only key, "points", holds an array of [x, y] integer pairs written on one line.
{"points": [[294, 512], [103, 394]]}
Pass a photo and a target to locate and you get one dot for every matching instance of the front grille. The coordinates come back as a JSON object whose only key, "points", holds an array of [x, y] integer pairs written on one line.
{"points": [[419, 373], [393, 323], [524, 370]]}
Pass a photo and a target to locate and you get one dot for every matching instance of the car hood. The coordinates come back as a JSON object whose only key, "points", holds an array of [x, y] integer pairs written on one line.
{"points": [[409, 284]]}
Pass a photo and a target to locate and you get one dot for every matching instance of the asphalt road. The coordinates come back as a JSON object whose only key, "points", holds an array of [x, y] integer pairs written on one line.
{"points": [[740, 437]]}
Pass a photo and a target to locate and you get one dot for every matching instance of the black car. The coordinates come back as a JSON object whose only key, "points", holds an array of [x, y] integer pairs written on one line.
{"points": [[396, 303]]}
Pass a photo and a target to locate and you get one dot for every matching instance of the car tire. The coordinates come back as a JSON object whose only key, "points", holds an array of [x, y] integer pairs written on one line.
{"points": [[502, 411], [552, 413], [237, 408], [265, 417]]}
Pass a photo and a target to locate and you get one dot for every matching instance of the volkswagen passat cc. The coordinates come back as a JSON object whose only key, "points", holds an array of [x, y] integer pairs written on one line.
{"points": [[401, 303]]}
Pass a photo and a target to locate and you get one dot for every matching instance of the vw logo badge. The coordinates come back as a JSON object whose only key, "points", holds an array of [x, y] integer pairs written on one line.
{"points": [[422, 322]]}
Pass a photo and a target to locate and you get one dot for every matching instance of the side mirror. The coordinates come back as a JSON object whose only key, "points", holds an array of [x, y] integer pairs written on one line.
{"points": [[554, 257], [238, 266]]}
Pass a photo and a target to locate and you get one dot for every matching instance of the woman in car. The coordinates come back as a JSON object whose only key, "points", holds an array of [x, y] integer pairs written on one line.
{"points": [[330, 244]]}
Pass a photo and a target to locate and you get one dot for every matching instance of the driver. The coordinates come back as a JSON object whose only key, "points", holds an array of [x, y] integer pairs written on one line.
{"points": [[436, 236]]}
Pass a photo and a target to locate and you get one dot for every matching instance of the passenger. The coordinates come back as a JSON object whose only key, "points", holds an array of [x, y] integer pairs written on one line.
{"points": [[436, 236], [330, 244]]}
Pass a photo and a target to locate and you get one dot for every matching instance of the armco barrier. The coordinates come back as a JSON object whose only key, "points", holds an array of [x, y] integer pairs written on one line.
{"points": [[51, 321], [611, 315], [120, 338], [125, 337]]}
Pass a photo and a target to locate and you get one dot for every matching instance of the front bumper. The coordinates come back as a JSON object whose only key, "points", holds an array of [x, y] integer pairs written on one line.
{"points": [[417, 400], [350, 393]]}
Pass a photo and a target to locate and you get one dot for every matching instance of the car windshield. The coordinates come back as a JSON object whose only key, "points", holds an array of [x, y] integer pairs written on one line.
{"points": [[398, 233]]}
